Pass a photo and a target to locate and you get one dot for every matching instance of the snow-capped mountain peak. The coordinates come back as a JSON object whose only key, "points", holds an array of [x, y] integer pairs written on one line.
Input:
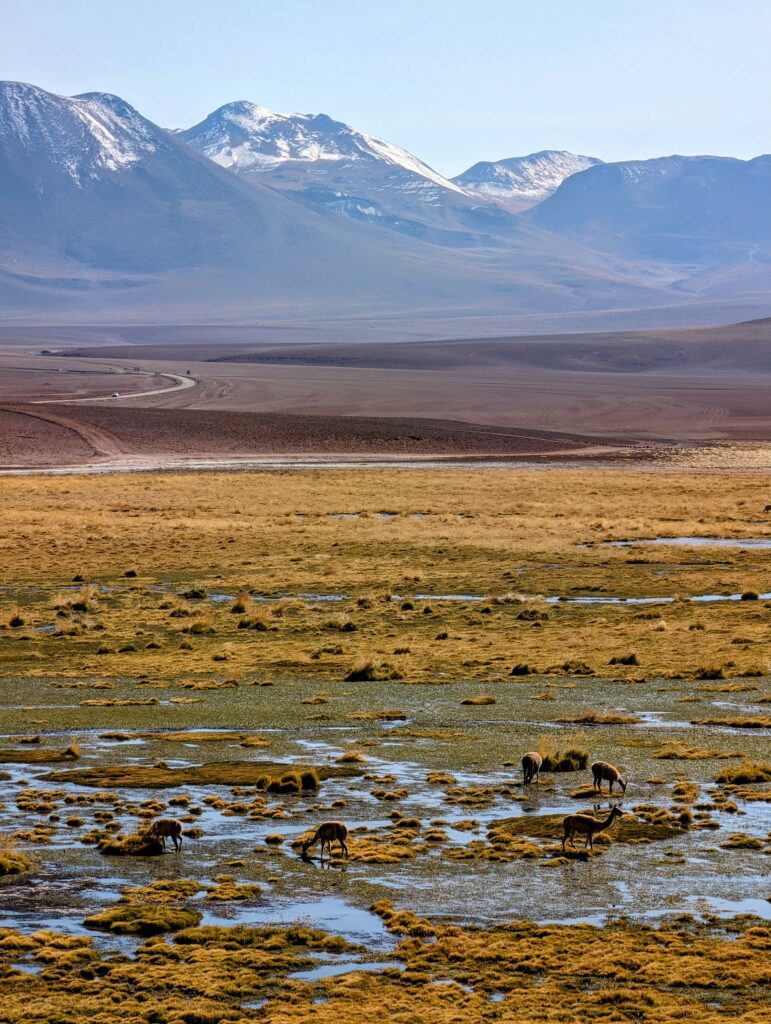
{"points": [[523, 180], [84, 136], [247, 138]]}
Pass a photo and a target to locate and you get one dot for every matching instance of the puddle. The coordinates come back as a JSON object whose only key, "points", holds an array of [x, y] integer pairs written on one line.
{"points": [[451, 981], [730, 908], [586, 599], [330, 913], [27, 968], [349, 967]]}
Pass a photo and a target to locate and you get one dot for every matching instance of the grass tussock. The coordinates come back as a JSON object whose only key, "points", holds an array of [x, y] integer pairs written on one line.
{"points": [[372, 670], [143, 919], [673, 750], [570, 760], [12, 860], [41, 756], [747, 773], [737, 721], [264, 774]]}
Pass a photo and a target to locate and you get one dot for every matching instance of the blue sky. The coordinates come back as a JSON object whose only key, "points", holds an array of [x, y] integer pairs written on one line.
{"points": [[454, 82]]}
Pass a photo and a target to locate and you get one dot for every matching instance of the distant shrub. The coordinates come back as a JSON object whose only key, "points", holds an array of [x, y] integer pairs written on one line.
{"points": [[341, 624], [368, 669], [714, 672], [259, 622], [199, 627], [626, 659], [750, 595], [523, 669]]}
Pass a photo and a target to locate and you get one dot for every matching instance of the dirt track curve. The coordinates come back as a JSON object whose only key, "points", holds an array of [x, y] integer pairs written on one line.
{"points": [[102, 441]]}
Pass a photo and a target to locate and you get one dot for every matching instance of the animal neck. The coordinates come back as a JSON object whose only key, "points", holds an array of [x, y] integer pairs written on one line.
{"points": [[608, 821]]}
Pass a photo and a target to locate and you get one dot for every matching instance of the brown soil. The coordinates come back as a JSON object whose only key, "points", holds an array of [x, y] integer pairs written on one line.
{"points": [[70, 433]]}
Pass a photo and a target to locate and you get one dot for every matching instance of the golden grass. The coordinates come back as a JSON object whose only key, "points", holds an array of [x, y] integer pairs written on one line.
{"points": [[674, 750], [12, 860], [477, 529], [262, 774]]}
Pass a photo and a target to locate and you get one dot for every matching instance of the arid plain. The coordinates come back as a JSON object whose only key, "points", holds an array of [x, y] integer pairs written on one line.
{"points": [[581, 394]]}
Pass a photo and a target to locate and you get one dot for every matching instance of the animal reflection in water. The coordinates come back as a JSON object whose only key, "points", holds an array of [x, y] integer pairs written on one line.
{"points": [[326, 834]]}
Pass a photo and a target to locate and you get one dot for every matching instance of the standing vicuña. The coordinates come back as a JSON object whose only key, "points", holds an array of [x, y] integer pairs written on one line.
{"points": [[586, 825], [531, 766], [166, 827], [602, 770], [327, 834]]}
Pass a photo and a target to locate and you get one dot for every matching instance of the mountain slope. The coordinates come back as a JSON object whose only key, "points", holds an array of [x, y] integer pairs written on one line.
{"points": [[328, 164], [245, 137], [703, 210], [95, 197], [105, 216], [522, 181]]}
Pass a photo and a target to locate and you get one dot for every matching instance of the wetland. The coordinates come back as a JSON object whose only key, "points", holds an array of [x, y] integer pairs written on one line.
{"points": [[256, 653]]}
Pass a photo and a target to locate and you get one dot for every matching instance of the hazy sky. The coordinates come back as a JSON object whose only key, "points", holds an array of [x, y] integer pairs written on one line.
{"points": [[454, 81]]}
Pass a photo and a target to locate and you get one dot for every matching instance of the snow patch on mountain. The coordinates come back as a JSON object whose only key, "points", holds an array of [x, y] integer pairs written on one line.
{"points": [[84, 135], [526, 178], [245, 137]]}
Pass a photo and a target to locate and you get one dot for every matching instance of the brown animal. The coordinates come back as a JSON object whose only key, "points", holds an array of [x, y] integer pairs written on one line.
{"points": [[602, 770], [767, 508], [531, 766], [586, 825], [164, 827], [326, 834]]}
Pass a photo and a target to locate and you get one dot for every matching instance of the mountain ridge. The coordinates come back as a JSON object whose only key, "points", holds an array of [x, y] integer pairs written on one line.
{"points": [[104, 213]]}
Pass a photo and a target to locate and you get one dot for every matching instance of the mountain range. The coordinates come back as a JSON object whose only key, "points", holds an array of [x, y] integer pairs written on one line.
{"points": [[252, 213]]}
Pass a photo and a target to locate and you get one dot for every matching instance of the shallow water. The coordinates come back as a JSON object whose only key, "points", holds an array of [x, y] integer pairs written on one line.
{"points": [[470, 742], [347, 967], [696, 542]]}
